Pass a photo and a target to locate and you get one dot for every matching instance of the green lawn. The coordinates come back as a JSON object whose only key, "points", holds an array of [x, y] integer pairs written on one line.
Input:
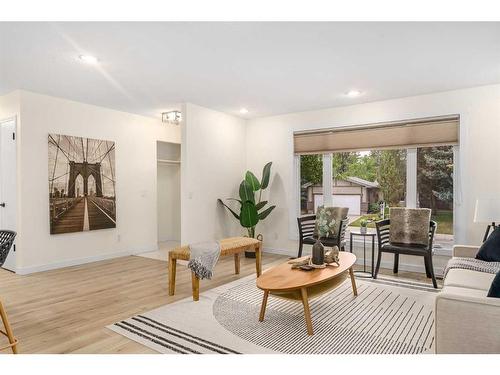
{"points": [[374, 217], [444, 220]]}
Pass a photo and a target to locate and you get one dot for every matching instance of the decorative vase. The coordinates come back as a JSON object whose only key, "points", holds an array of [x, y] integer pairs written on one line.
{"points": [[318, 253], [362, 230]]}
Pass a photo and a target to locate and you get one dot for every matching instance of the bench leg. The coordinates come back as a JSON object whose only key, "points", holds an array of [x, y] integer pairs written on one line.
{"points": [[258, 258], [237, 263], [172, 269], [8, 329], [196, 286]]}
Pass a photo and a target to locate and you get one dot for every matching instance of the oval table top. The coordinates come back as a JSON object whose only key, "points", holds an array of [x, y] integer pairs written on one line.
{"points": [[284, 278]]}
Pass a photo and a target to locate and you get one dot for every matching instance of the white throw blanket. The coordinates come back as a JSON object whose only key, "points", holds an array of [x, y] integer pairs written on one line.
{"points": [[472, 264], [203, 258]]}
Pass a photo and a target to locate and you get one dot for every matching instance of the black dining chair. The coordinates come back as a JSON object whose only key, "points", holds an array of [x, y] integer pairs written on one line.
{"points": [[385, 246], [306, 233], [6, 241]]}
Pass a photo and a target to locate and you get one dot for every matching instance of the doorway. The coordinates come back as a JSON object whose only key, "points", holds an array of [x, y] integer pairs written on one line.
{"points": [[8, 183], [168, 199]]}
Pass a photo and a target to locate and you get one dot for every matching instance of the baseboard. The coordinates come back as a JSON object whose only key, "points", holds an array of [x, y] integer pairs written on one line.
{"points": [[79, 261], [272, 250], [384, 264]]}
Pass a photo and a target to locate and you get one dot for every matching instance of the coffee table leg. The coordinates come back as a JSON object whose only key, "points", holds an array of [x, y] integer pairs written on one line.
{"points": [[353, 282], [263, 307], [307, 312]]}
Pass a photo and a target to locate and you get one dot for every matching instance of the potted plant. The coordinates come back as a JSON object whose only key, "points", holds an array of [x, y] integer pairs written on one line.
{"points": [[363, 224], [252, 210], [324, 225]]}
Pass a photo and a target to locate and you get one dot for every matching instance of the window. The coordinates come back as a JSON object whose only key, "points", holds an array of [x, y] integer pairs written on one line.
{"points": [[435, 189], [311, 182], [364, 180], [374, 180]]}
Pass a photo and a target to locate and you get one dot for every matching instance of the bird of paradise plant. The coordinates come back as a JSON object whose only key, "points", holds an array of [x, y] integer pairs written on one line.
{"points": [[251, 210]]}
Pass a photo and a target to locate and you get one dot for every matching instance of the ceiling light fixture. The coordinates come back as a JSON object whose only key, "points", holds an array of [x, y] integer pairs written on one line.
{"points": [[243, 111], [353, 93], [89, 59], [171, 117]]}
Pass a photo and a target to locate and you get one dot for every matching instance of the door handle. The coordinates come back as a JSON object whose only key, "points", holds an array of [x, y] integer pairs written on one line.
{"points": [[2, 204]]}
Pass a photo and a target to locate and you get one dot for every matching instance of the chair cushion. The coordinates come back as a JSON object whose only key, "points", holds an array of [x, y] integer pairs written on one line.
{"points": [[405, 248], [469, 279], [409, 225], [333, 217], [490, 249], [495, 287]]}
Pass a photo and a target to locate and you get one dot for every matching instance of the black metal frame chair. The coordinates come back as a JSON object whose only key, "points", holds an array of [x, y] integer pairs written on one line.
{"points": [[306, 233], [385, 246], [6, 241]]}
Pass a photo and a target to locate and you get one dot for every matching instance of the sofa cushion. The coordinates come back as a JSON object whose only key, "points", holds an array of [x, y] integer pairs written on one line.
{"points": [[490, 249], [473, 296], [469, 279], [495, 287]]}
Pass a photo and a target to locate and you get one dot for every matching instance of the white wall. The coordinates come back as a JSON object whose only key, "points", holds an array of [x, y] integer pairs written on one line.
{"points": [[10, 105], [136, 174], [271, 139], [212, 166]]}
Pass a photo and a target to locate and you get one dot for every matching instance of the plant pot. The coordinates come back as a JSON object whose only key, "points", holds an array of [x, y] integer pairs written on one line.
{"points": [[318, 253], [251, 254], [362, 230]]}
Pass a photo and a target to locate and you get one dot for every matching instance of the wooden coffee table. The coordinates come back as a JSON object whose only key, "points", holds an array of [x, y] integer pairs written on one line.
{"points": [[295, 284]]}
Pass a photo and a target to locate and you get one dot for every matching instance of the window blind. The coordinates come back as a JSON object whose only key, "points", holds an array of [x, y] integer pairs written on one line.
{"points": [[407, 134]]}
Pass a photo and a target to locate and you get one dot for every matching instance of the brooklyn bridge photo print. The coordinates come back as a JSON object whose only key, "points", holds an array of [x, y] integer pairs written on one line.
{"points": [[81, 184]]}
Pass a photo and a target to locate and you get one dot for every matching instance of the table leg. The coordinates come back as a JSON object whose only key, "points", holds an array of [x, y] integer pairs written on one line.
{"points": [[307, 312], [172, 265], [373, 253], [353, 282], [364, 253], [263, 306], [237, 263], [258, 258], [196, 286]]}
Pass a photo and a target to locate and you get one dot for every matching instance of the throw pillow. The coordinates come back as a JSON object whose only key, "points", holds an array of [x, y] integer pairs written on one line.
{"points": [[409, 226], [490, 249], [333, 217], [495, 287]]}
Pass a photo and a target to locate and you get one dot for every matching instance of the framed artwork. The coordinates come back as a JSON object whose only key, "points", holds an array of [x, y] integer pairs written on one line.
{"points": [[81, 184]]}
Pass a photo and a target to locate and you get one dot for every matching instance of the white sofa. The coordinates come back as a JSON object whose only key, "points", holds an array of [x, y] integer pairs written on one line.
{"points": [[466, 320]]}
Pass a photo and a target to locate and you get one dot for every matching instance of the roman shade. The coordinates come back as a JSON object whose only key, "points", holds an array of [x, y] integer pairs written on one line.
{"points": [[407, 134]]}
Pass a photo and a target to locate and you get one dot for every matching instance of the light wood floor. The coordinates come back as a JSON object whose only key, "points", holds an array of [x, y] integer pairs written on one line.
{"points": [[67, 310]]}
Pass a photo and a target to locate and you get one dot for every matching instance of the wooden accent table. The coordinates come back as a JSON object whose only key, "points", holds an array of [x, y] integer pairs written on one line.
{"points": [[295, 284], [228, 246]]}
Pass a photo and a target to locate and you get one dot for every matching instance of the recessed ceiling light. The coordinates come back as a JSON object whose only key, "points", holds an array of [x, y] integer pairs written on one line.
{"points": [[89, 59], [243, 111], [353, 93]]}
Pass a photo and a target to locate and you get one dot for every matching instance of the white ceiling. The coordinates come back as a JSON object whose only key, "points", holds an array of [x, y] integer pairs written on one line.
{"points": [[269, 68]]}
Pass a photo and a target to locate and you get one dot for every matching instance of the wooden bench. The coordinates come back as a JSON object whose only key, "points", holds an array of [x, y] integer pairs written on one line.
{"points": [[228, 246]]}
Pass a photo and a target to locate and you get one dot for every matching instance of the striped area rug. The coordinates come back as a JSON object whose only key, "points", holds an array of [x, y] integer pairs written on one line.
{"points": [[387, 317]]}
